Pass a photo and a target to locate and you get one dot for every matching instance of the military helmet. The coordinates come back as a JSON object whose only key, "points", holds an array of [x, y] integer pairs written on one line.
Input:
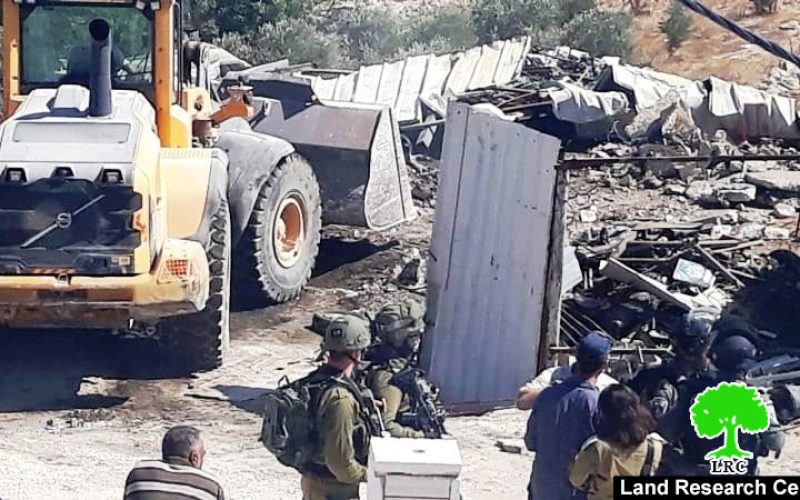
{"points": [[396, 323], [347, 333], [734, 353], [697, 329]]}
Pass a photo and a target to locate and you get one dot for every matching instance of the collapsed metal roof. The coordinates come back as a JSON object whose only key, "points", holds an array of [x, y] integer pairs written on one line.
{"points": [[402, 85]]}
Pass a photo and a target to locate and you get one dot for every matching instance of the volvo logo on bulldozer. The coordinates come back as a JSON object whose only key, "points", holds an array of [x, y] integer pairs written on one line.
{"points": [[725, 411], [64, 220]]}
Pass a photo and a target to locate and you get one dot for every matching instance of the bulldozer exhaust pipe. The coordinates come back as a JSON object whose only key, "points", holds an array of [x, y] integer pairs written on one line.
{"points": [[100, 69]]}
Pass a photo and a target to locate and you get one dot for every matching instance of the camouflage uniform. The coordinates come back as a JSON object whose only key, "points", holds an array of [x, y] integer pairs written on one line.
{"points": [[395, 401], [658, 386], [343, 426], [395, 325]]}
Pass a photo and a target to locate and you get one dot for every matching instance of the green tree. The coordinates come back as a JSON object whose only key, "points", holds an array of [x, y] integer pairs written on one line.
{"points": [[677, 26], [568, 9], [214, 18], [601, 33], [293, 39], [724, 410], [449, 28], [503, 19]]}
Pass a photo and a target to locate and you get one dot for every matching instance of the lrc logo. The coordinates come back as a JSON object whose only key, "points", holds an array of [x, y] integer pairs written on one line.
{"points": [[729, 466], [725, 410]]}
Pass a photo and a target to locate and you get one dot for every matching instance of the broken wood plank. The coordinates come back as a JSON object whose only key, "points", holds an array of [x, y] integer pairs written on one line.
{"points": [[742, 246], [718, 265], [745, 275], [615, 269]]}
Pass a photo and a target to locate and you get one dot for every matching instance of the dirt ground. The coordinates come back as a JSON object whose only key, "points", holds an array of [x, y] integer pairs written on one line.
{"points": [[78, 409]]}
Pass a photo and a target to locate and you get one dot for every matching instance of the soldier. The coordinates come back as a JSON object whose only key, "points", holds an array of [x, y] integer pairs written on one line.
{"points": [[657, 386], [344, 420], [732, 357], [399, 328]]}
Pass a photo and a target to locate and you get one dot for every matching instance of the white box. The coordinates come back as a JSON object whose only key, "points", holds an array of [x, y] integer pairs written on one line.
{"points": [[413, 469]]}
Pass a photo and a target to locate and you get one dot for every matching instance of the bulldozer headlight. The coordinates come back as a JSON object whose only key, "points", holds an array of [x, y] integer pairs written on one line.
{"points": [[15, 175], [63, 172], [112, 176]]}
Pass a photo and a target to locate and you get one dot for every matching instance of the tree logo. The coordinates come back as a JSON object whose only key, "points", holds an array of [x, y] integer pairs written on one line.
{"points": [[725, 410]]}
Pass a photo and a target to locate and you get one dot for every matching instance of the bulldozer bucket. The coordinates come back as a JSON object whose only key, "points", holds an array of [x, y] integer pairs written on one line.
{"points": [[355, 151]]}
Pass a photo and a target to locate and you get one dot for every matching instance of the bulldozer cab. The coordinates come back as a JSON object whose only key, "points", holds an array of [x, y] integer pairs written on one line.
{"points": [[55, 46], [46, 44]]}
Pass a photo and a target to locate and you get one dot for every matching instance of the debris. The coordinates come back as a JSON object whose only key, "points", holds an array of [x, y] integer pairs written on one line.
{"points": [[752, 215], [410, 275], [750, 231], [776, 233], [693, 273], [700, 190], [619, 271], [515, 446], [725, 216], [652, 182], [718, 266], [782, 180], [571, 275], [784, 211], [789, 26], [721, 231], [675, 189], [736, 193], [588, 216]]}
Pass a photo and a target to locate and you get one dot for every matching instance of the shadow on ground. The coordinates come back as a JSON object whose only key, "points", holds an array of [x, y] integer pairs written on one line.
{"points": [[336, 252], [336, 260], [43, 369], [249, 399]]}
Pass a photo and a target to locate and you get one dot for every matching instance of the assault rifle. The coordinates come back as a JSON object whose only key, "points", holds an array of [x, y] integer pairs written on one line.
{"points": [[427, 413]]}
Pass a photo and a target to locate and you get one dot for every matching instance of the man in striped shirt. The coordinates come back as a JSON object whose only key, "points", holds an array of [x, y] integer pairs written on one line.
{"points": [[178, 475]]}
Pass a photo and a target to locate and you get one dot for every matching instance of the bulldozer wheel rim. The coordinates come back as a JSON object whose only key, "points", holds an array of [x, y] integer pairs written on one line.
{"points": [[288, 234]]}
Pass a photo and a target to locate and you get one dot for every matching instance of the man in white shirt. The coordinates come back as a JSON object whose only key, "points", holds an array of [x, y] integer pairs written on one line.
{"points": [[555, 375]]}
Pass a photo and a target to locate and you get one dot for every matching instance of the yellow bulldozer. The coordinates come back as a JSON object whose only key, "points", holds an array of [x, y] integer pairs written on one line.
{"points": [[127, 190]]}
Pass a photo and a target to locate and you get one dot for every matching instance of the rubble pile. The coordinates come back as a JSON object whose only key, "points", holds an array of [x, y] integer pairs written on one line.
{"points": [[562, 63], [750, 199], [782, 80], [424, 172], [640, 280]]}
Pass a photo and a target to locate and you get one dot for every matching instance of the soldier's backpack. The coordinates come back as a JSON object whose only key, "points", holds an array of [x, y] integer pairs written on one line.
{"points": [[288, 429]]}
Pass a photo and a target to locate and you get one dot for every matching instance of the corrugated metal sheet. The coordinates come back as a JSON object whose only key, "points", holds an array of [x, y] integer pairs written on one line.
{"points": [[745, 113], [748, 113], [400, 84], [490, 266], [648, 86]]}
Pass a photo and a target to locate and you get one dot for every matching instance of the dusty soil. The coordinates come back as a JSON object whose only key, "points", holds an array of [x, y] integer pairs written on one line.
{"points": [[78, 409]]}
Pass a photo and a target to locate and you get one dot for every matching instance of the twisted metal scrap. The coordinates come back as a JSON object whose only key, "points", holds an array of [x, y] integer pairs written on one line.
{"points": [[744, 33]]}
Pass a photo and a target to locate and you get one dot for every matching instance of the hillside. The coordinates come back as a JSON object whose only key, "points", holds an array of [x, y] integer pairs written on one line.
{"points": [[710, 50]]}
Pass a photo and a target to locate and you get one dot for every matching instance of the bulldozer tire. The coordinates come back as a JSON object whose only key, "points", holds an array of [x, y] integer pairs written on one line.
{"points": [[198, 342], [278, 249]]}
